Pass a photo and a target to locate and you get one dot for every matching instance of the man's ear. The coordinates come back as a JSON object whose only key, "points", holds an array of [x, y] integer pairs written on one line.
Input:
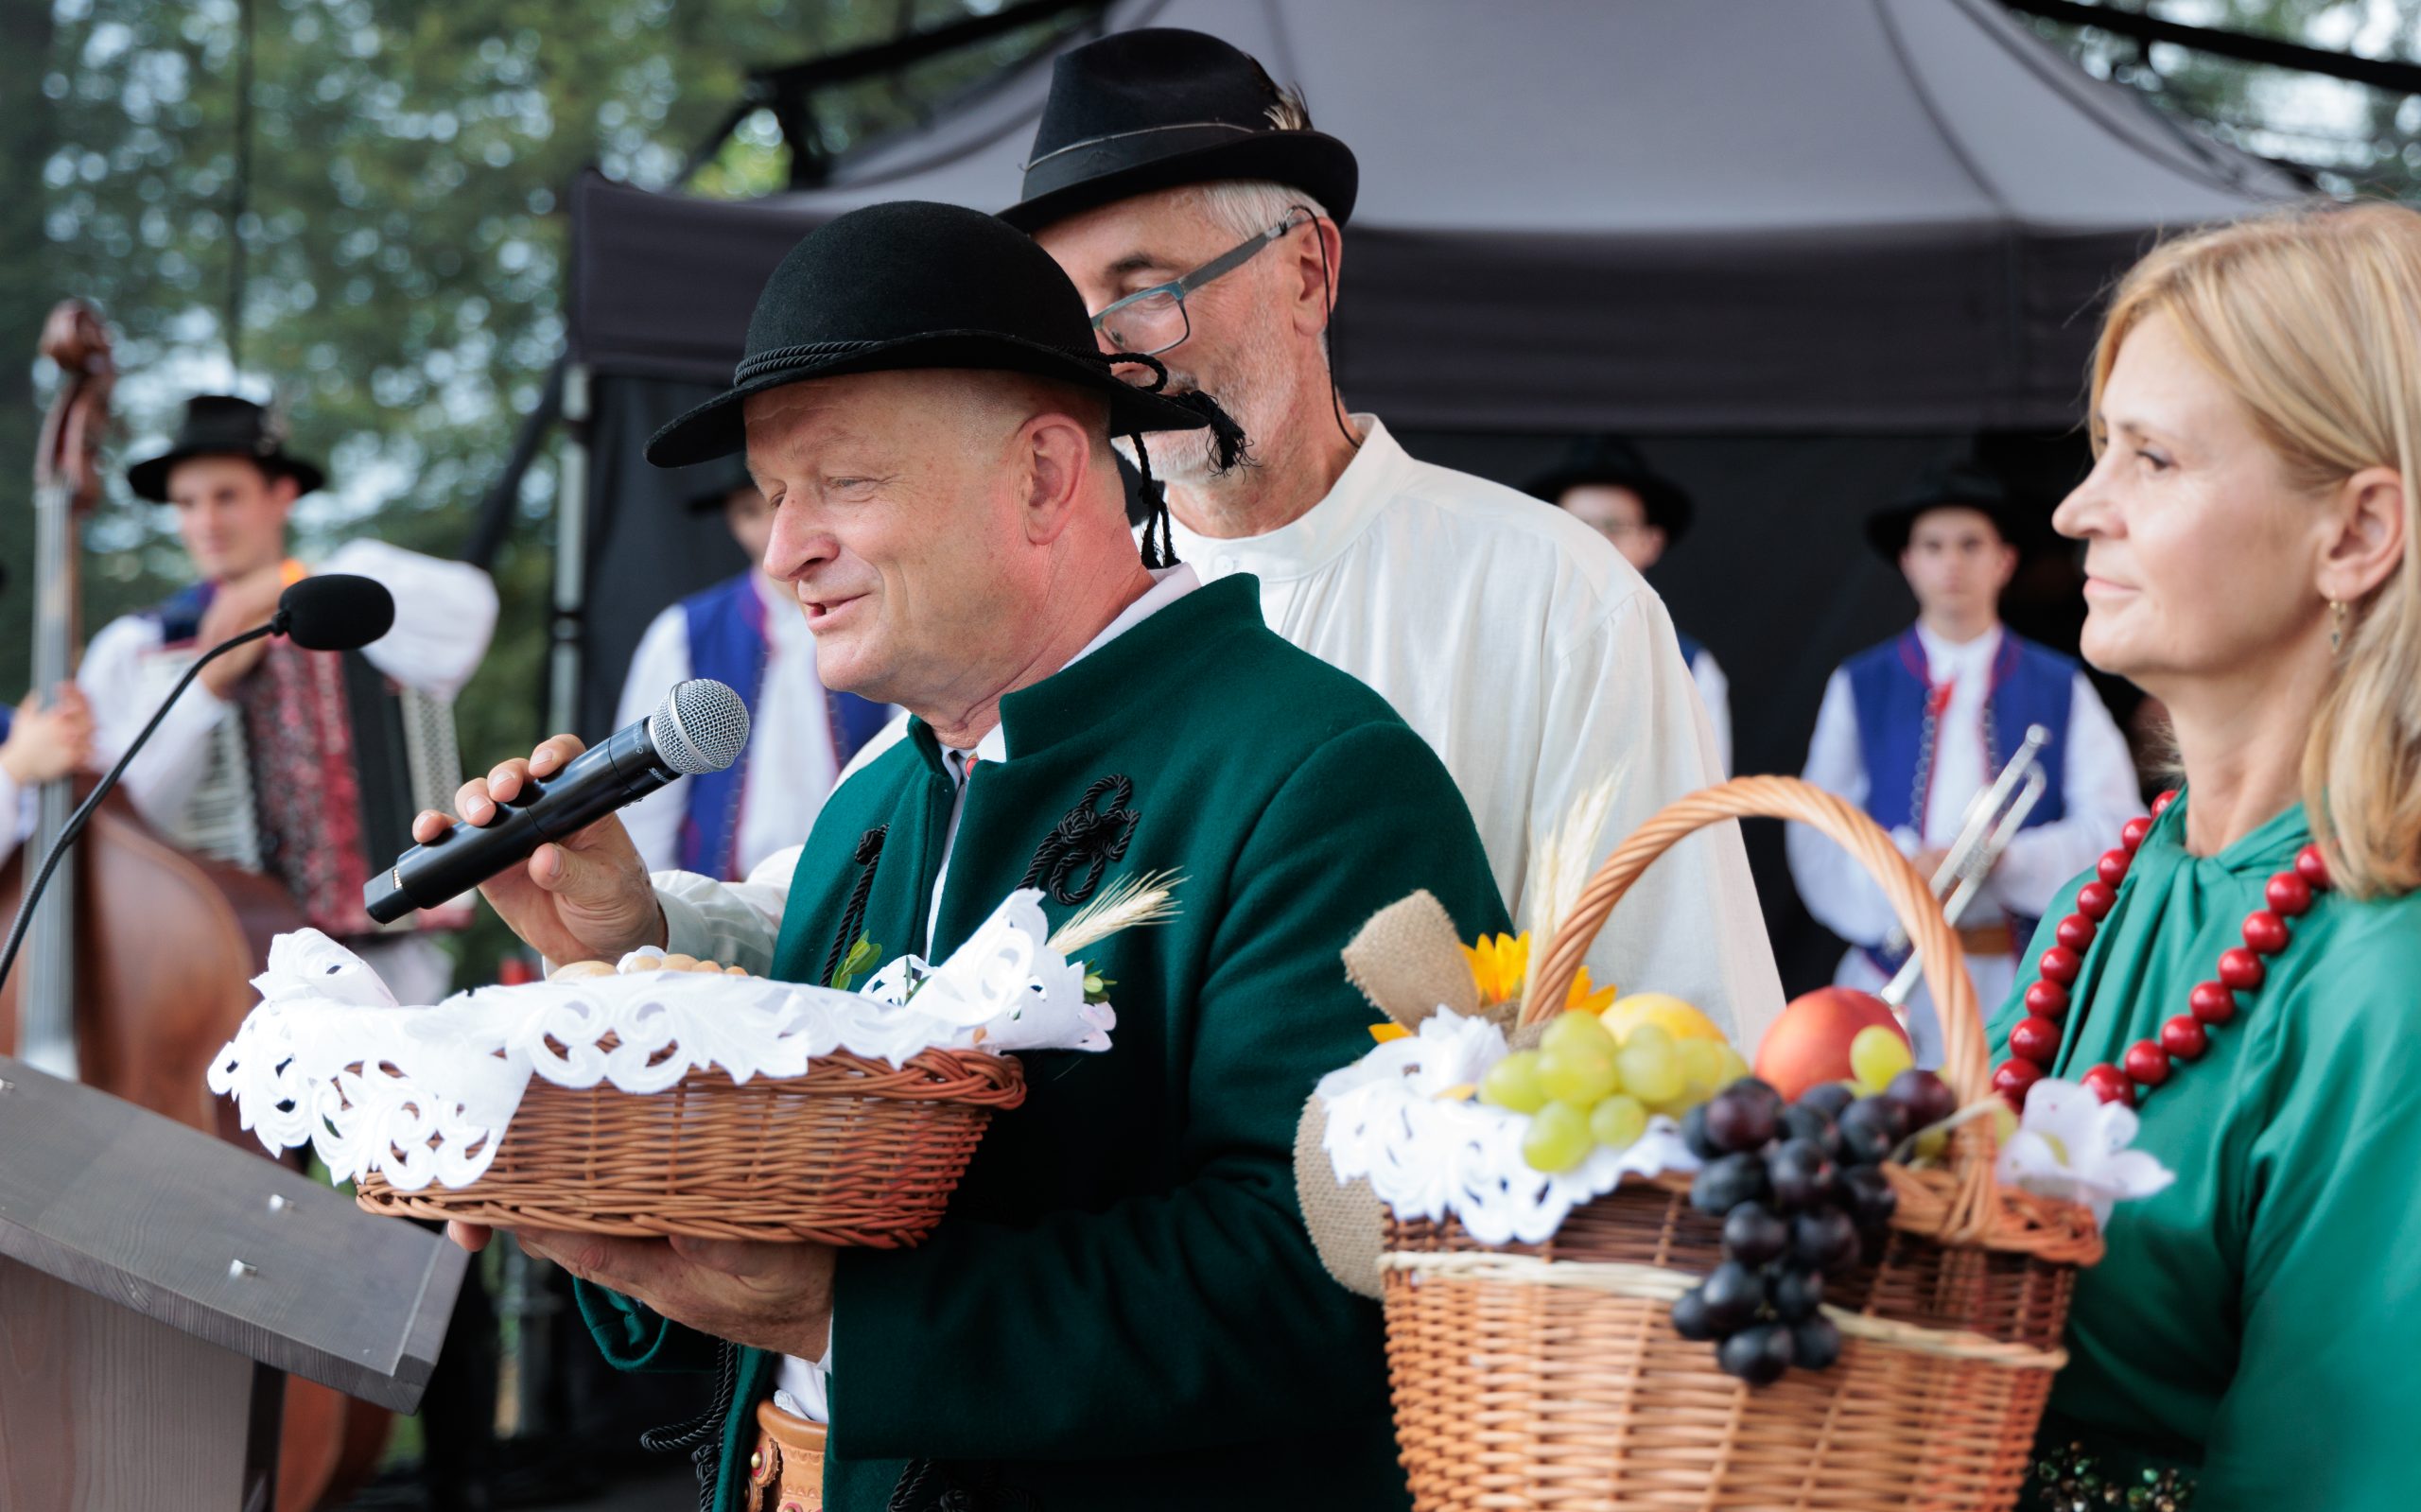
{"points": [[1057, 453], [2368, 517], [1319, 266]]}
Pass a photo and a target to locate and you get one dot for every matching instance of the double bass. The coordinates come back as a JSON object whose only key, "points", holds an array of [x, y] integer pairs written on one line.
{"points": [[138, 962]]}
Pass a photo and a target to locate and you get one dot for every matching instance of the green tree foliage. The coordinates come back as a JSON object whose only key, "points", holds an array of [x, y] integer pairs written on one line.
{"points": [[2351, 138], [388, 227]]}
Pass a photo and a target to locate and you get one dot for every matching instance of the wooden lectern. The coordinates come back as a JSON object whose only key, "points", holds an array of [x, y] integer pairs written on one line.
{"points": [[155, 1286]]}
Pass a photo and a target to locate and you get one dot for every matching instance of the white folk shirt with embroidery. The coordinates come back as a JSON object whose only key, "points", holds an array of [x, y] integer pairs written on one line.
{"points": [[445, 617], [737, 923], [791, 760], [2097, 784]]}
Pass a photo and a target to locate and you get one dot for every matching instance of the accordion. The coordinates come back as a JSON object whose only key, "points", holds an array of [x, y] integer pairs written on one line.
{"points": [[314, 778]]}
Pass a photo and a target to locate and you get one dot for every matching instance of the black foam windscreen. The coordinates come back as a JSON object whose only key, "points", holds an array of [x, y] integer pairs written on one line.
{"points": [[337, 611]]}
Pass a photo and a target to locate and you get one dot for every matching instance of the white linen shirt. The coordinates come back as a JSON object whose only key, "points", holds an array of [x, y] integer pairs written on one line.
{"points": [[2098, 789], [1536, 662], [789, 736], [1714, 692]]}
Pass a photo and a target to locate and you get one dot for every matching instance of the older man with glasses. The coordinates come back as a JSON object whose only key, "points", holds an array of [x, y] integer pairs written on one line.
{"points": [[1190, 200]]}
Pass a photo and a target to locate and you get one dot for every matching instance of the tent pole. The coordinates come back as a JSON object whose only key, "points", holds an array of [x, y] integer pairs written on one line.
{"points": [[571, 554]]}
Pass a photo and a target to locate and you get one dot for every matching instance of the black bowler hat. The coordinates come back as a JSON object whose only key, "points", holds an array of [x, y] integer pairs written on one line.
{"points": [[1613, 461], [219, 424], [912, 284], [1951, 485], [1160, 107]]}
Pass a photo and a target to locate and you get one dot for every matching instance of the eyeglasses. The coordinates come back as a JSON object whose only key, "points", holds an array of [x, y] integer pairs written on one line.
{"points": [[1150, 320]]}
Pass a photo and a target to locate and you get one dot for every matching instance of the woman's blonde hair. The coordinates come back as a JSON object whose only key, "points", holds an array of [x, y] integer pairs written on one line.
{"points": [[2312, 317]]}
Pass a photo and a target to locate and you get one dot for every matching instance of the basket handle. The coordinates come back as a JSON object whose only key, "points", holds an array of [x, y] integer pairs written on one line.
{"points": [[1945, 970]]}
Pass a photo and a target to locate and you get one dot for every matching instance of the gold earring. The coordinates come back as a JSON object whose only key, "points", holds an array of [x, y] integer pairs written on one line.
{"points": [[2337, 632]]}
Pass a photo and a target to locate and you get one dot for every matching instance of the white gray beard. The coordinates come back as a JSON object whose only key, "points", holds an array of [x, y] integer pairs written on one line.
{"points": [[1257, 397]]}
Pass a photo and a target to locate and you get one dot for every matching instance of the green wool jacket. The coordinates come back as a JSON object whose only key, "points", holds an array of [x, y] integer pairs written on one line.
{"points": [[1122, 1307]]}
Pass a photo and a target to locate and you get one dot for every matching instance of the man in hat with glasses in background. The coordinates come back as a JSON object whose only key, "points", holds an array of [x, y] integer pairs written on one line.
{"points": [[745, 632], [261, 763], [1198, 212], [1914, 729], [1605, 484], [1122, 1307]]}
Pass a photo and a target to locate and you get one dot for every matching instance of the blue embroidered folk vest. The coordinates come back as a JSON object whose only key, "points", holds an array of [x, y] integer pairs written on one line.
{"points": [[727, 625], [1896, 703]]}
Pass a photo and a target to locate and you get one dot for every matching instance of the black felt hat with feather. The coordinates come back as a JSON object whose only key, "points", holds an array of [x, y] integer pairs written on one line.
{"points": [[1158, 108]]}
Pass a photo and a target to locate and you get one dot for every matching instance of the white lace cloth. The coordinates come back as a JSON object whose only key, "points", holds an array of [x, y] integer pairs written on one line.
{"points": [[1427, 1157], [422, 1094]]}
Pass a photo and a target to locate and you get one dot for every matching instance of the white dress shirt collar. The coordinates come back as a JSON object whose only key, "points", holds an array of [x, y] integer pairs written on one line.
{"points": [[1381, 470]]}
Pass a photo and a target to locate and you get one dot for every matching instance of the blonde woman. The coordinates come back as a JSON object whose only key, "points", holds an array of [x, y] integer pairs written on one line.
{"points": [[2246, 966]]}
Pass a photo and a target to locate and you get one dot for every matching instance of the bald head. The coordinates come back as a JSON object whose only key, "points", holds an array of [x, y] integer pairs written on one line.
{"points": [[945, 531]]}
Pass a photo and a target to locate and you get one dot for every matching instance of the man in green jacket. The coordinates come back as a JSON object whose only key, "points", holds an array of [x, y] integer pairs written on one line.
{"points": [[1122, 1309]]}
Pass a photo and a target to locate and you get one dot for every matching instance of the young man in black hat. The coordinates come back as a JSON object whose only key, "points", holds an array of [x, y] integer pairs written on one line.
{"points": [[1122, 1307], [745, 632], [1914, 729], [1200, 214], [1605, 484], [258, 762]]}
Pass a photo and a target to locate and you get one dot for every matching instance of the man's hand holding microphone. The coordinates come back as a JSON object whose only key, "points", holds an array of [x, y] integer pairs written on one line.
{"points": [[586, 898]]}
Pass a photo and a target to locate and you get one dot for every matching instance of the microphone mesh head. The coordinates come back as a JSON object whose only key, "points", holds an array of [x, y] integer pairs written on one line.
{"points": [[700, 726]]}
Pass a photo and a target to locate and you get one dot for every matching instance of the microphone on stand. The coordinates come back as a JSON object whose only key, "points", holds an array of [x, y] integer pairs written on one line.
{"points": [[336, 612], [700, 726]]}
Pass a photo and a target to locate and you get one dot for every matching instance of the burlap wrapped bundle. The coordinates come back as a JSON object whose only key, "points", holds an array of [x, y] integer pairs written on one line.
{"points": [[1409, 961]]}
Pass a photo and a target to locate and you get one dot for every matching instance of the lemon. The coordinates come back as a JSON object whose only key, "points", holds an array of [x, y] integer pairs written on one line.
{"points": [[1665, 1011]]}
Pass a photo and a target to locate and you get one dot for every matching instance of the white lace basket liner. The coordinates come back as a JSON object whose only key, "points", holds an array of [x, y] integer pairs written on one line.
{"points": [[1428, 1157], [659, 1102]]}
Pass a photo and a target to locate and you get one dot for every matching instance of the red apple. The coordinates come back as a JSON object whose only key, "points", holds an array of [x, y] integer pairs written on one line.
{"points": [[1810, 1042]]}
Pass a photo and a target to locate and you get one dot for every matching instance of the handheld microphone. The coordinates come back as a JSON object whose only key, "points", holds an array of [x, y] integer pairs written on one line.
{"points": [[700, 727], [337, 611]]}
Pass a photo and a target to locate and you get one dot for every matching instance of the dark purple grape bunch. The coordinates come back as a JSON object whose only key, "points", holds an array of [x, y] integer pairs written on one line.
{"points": [[1802, 1194]]}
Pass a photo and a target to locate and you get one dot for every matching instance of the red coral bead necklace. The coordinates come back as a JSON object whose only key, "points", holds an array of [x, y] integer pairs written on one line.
{"points": [[2034, 1043]]}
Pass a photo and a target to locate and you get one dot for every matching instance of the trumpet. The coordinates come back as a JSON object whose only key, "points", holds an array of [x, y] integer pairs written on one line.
{"points": [[1992, 820]]}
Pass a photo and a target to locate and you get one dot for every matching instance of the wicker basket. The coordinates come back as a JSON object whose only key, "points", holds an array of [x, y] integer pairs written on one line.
{"points": [[856, 1152], [1549, 1376]]}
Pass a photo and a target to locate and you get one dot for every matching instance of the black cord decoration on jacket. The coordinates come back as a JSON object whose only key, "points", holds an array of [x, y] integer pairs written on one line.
{"points": [[853, 918], [702, 1435], [1086, 838]]}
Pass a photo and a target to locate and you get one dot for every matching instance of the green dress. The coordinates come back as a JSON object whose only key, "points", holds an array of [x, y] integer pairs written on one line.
{"points": [[2251, 1328], [1122, 1309]]}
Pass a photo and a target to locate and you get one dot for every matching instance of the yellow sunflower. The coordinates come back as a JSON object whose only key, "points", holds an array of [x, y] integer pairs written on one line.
{"points": [[1500, 961], [1584, 999], [1498, 964]]}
